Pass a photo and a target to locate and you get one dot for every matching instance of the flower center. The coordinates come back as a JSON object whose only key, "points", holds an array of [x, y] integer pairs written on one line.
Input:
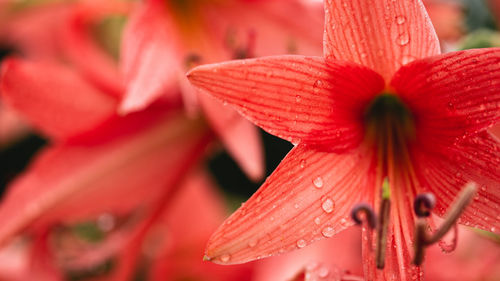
{"points": [[388, 120]]}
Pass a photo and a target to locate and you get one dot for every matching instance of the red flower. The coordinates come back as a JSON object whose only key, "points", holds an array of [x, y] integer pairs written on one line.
{"points": [[163, 39], [383, 102]]}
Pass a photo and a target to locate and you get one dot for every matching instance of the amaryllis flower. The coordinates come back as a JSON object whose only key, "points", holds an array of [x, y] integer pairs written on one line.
{"points": [[163, 39], [382, 103]]}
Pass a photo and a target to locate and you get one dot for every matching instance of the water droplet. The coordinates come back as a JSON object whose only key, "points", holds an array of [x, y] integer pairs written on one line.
{"points": [[224, 102], [296, 206], [400, 19], [403, 39], [302, 163], [318, 182], [311, 266], [225, 258], [328, 205], [317, 85], [301, 243], [252, 242], [317, 220], [258, 199], [296, 141], [323, 272], [493, 229], [328, 231], [297, 98]]}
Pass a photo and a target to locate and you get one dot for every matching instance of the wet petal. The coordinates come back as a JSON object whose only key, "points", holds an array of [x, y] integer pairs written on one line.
{"points": [[300, 99], [474, 159], [382, 35], [307, 198], [464, 88]]}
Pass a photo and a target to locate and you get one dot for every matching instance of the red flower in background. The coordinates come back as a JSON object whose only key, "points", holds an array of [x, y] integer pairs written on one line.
{"points": [[165, 38], [381, 103]]}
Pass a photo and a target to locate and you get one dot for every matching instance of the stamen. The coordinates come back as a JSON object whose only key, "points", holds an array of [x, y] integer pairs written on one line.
{"points": [[383, 225], [370, 216], [457, 209], [423, 204], [421, 239]]}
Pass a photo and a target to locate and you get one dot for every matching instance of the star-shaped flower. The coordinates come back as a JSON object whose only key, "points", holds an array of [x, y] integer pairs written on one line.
{"points": [[382, 103]]}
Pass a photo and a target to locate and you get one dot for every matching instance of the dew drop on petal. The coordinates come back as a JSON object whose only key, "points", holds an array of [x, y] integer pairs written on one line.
{"points": [[328, 205], [317, 220], [298, 98], [403, 39], [328, 231], [296, 206], [318, 182], [400, 19], [225, 258], [317, 85], [301, 243], [302, 163]]}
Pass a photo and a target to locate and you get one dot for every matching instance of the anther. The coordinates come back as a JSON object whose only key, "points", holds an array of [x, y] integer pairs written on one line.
{"points": [[423, 204], [370, 216], [422, 240]]}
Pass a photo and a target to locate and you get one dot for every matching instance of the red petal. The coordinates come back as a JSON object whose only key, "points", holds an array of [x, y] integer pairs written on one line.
{"points": [[34, 31], [342, 251], [53, 98], [82, 50], [151, 60], [296, 98], [474, 159], [11, 125], [380, 34], [307, 198], [464, 90], [76, 182], [240, 137]]}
